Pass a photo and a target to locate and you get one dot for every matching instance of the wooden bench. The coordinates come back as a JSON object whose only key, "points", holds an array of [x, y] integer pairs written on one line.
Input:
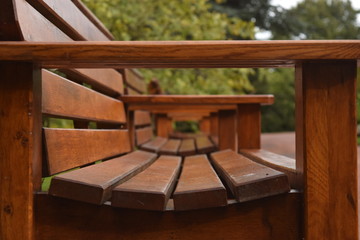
{"points": [[325, 167]]}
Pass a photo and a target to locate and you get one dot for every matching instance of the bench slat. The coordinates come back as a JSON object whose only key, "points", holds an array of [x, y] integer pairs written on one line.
{"points": [[171, 147], [107, 81], [64, 98], [143, 135], [246, 179], [135, 80], [199, 186], [142, 118], [151, 189], [204, 145], [82, 146], [278, 162], [93, 184], [154, 145], [187, 147]]}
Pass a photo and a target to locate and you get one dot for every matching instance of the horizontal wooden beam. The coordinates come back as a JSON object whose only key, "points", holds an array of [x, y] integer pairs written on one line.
{"points": [[160, 54]]}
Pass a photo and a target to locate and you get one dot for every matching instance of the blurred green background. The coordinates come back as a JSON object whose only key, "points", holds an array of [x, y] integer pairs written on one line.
{"points": [[228, 19]]}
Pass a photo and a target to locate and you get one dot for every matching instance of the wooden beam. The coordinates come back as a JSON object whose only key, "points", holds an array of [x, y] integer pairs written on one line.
{"points": [[227, 130], [20, 148], [163, 125], [326, 147], [249, 126]]}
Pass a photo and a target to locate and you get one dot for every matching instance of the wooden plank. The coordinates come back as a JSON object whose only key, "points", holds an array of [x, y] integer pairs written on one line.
{"points": [[275, 217], [163, 125], [107, 81], [246, 179], [142, 118], [67, 99], [198, 186], [20, 147], [143, 135], [199, 99], [204, 145], [227, 130], [154, 145], [135, 80], [171, 147], [150, 189], [249, 126], [69, 19], [160, 54], [132, 92], [161, 108], [326, 143], [214, 123], [278, 162], [187, 147], [93, 184], [82, 146]]}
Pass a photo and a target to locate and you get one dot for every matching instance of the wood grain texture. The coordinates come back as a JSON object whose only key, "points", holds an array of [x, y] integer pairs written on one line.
{"points": [[199, 99], [150, 189], [82, 146], [154, 145], [278, 162], [20, 148], [246, 179], [249, 126], [107, 81], [135, 80], [205, 125], [327, 143], [270, 218], [163, 108], [204, 145], [142, 118], [187, 147], [171, 147], [227, 130], [93, 184], [143, 135], [198, 186], [163, 125], [64, 98], [160, 54], [69, 19]]}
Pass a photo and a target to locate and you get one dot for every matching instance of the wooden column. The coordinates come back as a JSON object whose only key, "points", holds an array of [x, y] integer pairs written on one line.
{"points": [[326, 148], [163, 125], [214, 124], [205, 125], [227, 130], [20, 148], [249, 126]]}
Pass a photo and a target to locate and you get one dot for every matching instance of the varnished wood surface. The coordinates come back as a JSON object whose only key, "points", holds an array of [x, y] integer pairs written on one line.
{"points": [[199, 99], [204, 145], [171, 147], [267, 219], [93, 184], [246, 179], [135, 80], [154, 145], [106, 81], [278, 162], [227, 130], [248, 126], [64, 98], [143, 135], [198, 186], [187, 147], [153, 54], [82, 146], [163, 108], [326, 143], [20, 148], [142, 118], [163, 125], [150, 189]]}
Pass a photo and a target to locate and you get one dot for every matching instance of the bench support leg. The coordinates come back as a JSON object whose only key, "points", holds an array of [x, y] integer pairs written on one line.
{"points": [[163, 125], [20, 148], [326, 148], [249, 126], [227, 130]]}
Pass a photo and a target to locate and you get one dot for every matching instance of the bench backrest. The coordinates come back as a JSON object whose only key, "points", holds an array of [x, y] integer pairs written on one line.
{"points": [[82, 95]]}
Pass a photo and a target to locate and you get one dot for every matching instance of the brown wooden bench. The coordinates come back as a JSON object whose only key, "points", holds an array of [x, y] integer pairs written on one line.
{"points": [[325, 167]]}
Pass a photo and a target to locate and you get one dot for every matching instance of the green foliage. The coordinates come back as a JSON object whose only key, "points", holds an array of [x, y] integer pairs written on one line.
{"points": [[178, 20]]}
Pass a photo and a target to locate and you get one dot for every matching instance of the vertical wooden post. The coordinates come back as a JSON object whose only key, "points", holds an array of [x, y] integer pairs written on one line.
{"points": [[249, 126], [163, 125], [20, 148], [131, 128], [214, 124], [227, 130], [326, 147], [205, 125]]}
